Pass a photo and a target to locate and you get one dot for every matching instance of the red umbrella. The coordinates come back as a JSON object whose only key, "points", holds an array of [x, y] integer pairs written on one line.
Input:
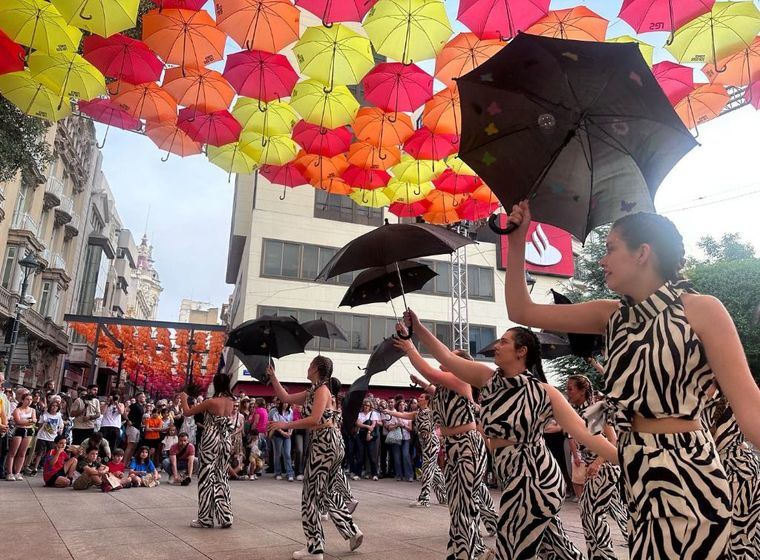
{"points": [[676, 81], [426, 144], [323, 141], [260, 75], [332, 11], [393, 86], [455, 183], [288, 175], [217, 128], [108, 113], [368, 179], [490, 19], [122, 58], [662, 15], [409, 210], [11, 55], [753, 94], [474, 210]]}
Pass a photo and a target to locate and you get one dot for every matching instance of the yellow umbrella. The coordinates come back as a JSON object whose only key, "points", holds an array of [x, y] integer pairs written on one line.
{"points": [[32, 97], [417, 170], [406, 192], [318, 105], [102, 17], [275, 117], [375, 198], [727, 29], [334, 55], [647, 50], [38, 24], [408, 30], [232, 158], [67, 74], [459, 167], [269, 150]]}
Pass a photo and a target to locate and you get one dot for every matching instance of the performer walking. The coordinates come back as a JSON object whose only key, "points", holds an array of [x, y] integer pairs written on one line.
{"points": [[324, 458]]}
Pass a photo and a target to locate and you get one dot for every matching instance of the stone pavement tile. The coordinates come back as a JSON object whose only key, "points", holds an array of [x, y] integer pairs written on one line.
{"points": [[139, 498], [136, 550], [268, 553], [74, 517], [113, 536], [33, 540], [389, 552], [241, 535]]}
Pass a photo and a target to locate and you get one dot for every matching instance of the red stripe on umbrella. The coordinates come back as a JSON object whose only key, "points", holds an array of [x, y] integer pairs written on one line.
{"points": [[217, 128], [261, 75]]}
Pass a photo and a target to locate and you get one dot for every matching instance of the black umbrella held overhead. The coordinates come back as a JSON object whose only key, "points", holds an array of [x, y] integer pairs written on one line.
{"points": [[582, 129], [552, 346], [383, 356], [352, 403], [256, 365], [581, 345], [270, 336], [321, 328], [381, 283]]}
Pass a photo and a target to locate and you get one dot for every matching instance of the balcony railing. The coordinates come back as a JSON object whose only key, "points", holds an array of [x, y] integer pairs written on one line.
{"points": [[73, 225], [53, 191], [63, 212], [58, 262], [25, 222]]}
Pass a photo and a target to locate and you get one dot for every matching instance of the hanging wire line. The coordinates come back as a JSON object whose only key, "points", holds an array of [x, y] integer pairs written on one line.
{"points": [[717, 198]]}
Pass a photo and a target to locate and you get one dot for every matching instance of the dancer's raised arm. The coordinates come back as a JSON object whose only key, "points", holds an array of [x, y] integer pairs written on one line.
{"points": [[433, 375], [281, 393]]}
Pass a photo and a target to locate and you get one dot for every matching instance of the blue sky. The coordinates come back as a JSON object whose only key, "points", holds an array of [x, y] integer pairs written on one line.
{"points": [[190, 200]]}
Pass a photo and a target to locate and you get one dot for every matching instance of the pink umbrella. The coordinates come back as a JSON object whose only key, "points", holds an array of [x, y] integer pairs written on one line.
{"points": [[426, 144], [368, 179], [676, 81], [182, 4], [753, 94], [662, 15], [288, 175], [109, 113], [332, 11], [474, 210], [501, 19], [409, 210], [122, 58], [455, 183], [394, 86], [316, 139], [261, 75], [217, 128]]}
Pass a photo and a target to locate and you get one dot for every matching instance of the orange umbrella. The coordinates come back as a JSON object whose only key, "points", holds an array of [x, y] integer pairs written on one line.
{"points": [[443, 208], [333, 185], [577, 23], [184, 37], [463, 53], [318, 168], [442, 113], [146, 101], [484, 194], [262, 25], [204, 89], [172, 139], [739, 69], [368, 156], [702, 105], [380, 128]]}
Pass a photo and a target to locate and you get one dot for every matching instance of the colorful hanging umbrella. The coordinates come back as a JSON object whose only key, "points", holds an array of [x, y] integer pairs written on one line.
{"points": [[459, 166], [675, 80], [183, 37], [172, 139], [463, 53], [417, 170], [428, 144], [333, 11], [146, 101], [183, 4], [318, 105], [725, 30], [39, 25], [289, 175], [334, 55], [262, 25], [647, 50], [474, 210], [232, 158], [443, 209], [32, 97], [411, 210], [203, 89], [408, 30], [217, 128], [393, 86], [442, 113], [382, 128], [269, 150], [662, 15], [740, 69], [109, 113], [369, 179], [12, 55], [703, 104], [752, 95], [406, 192], [577, 23], [333, 185], [260, 74], [370, 198], [484, 194], [68, 74], [122, 58], [318, 168], [275, 117], [453, 183], [102, 17], [500, 19], [368, 156], [323, 141]]}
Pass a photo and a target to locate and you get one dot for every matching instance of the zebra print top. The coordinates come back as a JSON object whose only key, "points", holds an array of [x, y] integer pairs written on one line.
{"points": [[587, 456], [424, 422], [327, 414], [515, 408], [450, 409], [656, 365]]}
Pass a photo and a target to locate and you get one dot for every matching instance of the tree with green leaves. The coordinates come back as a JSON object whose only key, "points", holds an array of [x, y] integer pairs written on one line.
{"points": [[22, 141]]}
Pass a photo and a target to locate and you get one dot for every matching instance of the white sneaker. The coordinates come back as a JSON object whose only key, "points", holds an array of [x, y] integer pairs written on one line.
{"points": [[304, 554], [356, 540], [244, 477], [374, 478], [290, 479], [419, 504], [19, 477], [278, 477], [354, 477], [299, 477], [10, 477]]}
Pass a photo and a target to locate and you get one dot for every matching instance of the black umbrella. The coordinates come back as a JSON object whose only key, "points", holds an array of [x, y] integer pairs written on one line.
{"points": [[581, 345], [580, 128], [269, 336], [552, 346], [383, 356], [381, 283], [352, 403], [255, 365], [323, 329]]}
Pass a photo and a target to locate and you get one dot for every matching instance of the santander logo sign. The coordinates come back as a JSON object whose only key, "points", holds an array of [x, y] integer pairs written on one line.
{"points": [[548, 250], [540, 251]]}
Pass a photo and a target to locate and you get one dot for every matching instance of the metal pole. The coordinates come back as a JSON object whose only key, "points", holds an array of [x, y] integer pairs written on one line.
{"points": [[94, 371], [190, 346], [16, 328], [118, 373]]}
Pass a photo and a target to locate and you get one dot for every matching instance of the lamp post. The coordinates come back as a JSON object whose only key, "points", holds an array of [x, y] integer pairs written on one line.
{"points": [[28, 264], [530, 280]]}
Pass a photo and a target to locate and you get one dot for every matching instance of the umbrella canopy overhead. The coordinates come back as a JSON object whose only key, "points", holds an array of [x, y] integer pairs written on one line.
{"points": [[146, 101], [201, 88], [68, 74], [232, 158], [183, 37], [269, 336], [381, 284], [676, 81], [332, 11], [172, 139], [32, 97], [102, 17], [39, 25], [122, 58], [262, 25], [462, 54], [12, 55], [216, 128], [383, 356], [662, 15], [255, 364], [324, 329], [501, 19], [323, 141], [395, 87], [260, 75], [578, 23], [382, 128], [318, 105]]}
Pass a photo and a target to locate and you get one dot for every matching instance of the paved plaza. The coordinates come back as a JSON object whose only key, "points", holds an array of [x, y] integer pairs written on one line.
{"points": [[144, 523]]}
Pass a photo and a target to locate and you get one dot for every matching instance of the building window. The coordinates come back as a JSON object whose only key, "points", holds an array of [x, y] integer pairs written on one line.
{"points": [[480, 337], [342, 209], [9, 266], [480, 282], [298, 261], [45, 296]]}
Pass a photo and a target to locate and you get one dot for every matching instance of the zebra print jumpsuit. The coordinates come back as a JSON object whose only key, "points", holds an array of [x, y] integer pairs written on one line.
{"points": [[213, 484], [601, 496], [743, 472], [324, 457], [469, 498], [517, 409], [340, 483], [678, 496], [431, 474]]}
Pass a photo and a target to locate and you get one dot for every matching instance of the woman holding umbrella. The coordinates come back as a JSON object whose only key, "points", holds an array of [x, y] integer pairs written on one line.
{"points": [[665, 346], [323, 462]]}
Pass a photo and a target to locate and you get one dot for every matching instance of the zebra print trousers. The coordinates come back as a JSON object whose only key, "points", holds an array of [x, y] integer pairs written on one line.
{"points": [[601, 496], [677, 494], [323, 464], [213, 483], [468, 497], [743, 472], [432, 478], [340, 486]]}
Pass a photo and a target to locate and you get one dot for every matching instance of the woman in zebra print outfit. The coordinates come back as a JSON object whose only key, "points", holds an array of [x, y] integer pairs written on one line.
{"points": [[340, 482], [324, 458], [515, 407], [743, 472], [664, 347], [214, 454], [601, 492]]}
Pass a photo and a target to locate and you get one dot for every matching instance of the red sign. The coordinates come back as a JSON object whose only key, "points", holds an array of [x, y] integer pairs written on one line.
{"points": [[548, 249]]}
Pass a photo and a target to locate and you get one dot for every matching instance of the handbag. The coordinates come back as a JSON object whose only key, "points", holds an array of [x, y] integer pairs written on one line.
{"points": [[149, 481], [110, 483], [394, 437]]}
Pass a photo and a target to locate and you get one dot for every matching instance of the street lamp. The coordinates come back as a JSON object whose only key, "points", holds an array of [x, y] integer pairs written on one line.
{"points": [[28, 265], [530, 280]]}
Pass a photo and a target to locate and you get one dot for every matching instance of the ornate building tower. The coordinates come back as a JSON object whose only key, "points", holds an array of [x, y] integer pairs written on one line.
{"points": [[143, 303]]}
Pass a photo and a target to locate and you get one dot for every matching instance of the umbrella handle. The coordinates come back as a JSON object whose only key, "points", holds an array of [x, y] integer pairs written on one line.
{"points": [[166, 157], [496, 228], [410, 332], [284, 192], [81, 13], [100, 146], [327, 25]]}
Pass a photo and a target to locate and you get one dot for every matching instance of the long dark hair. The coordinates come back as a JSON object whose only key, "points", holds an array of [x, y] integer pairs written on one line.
{"points": [[221, 383], [526, 338], [324, 367], [660, 234], [334, 385]]}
